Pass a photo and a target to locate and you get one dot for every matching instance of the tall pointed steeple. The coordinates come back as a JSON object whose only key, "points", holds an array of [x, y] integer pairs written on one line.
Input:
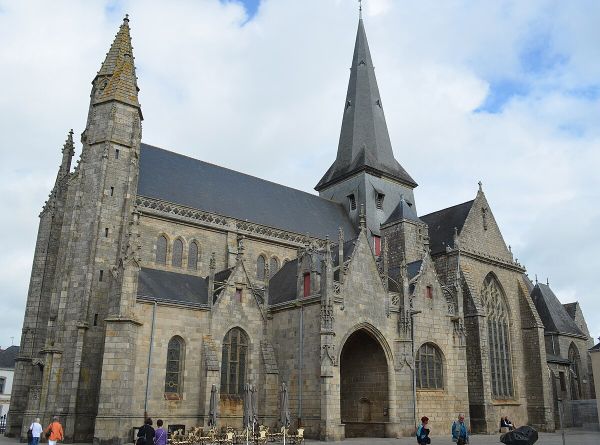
{"points": [[116, 79], [364, 139]]}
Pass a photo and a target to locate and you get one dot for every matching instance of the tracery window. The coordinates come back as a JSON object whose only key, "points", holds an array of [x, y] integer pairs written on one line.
{"points": [[177, 253], [260, 267], [161, 250], [193, 256], [273, 266], [574, 378], [175, 356], [234, 362], [429, 367], [498, 337]]}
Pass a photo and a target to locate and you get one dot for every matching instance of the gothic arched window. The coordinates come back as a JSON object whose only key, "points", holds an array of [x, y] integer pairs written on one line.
{"points": [[574, 370], [193, 256], [161, 250], [498, 337], [260, 267], [273, 266], [429, 367], [177, 253], [175, 356], [234, 362]]}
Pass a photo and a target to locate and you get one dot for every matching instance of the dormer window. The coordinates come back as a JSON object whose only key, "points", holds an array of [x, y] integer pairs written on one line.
{"points": [[379, 201], [352, 201]]}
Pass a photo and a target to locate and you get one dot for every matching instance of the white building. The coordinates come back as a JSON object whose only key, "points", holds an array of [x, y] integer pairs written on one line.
{"points": [[7, 370]]}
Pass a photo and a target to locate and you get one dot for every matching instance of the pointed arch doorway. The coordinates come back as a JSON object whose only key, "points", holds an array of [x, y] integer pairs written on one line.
{"points": [[364, 398]]}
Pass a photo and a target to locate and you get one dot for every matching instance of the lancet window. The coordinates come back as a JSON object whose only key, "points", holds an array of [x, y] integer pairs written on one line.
{"points": [[574, 369], [161, 250], [429, 367], [193, 256], [498, 338], [175, 355], [234, 362]]}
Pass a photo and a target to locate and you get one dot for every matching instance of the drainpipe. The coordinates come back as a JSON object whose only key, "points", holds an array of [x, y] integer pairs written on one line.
{"points": [[414, 373], [149, 361], [301, 366]]}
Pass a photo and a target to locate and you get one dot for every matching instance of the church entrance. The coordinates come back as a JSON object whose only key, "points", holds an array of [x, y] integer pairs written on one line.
{"points": [[364, 386]]}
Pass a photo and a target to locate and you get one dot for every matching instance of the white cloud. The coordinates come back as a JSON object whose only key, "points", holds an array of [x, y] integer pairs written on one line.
{"points": [[266, 98]]}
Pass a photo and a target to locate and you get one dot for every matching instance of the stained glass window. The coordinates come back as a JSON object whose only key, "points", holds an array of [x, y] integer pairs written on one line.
{"points": [[175, 352], [273, 266], [429, 367], [177, 253], [574, 372], [193, 256], [498, 338], [233, 362], [260, 267], [161, 250]]}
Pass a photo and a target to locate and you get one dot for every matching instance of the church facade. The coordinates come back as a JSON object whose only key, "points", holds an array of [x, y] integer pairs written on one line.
{"points": [[157, 276]]}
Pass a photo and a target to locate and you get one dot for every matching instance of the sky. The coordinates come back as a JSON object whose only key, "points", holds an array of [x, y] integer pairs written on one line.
{"points": [[506, 92]]}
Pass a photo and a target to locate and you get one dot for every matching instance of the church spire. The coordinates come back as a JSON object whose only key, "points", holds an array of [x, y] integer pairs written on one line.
{"points": [[364, 139], [116, 79]]}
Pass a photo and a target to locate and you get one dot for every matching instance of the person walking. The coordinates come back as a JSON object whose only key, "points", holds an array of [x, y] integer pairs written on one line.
{"points": [[54, 431], [36, 431], [460, 432], [160, 435], [146, 433], [423, 432]]}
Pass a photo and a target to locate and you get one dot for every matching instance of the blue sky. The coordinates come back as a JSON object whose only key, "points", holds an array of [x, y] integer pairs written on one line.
{"points": [[505, 92]]}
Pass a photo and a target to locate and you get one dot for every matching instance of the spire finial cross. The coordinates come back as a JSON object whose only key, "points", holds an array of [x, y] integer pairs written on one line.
{"points": [[360, 9]]}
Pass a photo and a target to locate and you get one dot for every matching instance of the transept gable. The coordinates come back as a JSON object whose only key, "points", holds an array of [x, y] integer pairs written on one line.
{"points": [[480, 233]]}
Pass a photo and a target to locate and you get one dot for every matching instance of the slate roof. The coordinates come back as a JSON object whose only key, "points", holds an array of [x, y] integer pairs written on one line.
{"points": [[364, 139], [551, 311], [442, 223], [412, 269], [283, 285], [403, 211], [8, 356], [182, 180], [596, 347], [172, 287]]}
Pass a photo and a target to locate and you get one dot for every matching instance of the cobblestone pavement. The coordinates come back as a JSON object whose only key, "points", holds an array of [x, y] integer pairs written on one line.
{"points": [[571, 438]]}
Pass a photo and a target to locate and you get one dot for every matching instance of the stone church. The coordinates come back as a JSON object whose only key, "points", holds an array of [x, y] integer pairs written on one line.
{"points": [[156, 276]]}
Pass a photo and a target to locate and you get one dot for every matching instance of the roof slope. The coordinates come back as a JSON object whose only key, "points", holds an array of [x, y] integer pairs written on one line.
{"points": [[442, 223], [8, 356], [170, 286], [364, 139], [186, 181], [551, 311]]}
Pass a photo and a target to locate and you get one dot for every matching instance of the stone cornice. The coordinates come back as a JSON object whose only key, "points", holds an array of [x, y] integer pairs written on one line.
{"points": [[486, 258], [189, 215]]}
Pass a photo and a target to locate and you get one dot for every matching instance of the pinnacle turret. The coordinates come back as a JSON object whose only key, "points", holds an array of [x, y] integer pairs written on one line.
{"points": [[364, 139], [116, 79], [68, 151]]}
